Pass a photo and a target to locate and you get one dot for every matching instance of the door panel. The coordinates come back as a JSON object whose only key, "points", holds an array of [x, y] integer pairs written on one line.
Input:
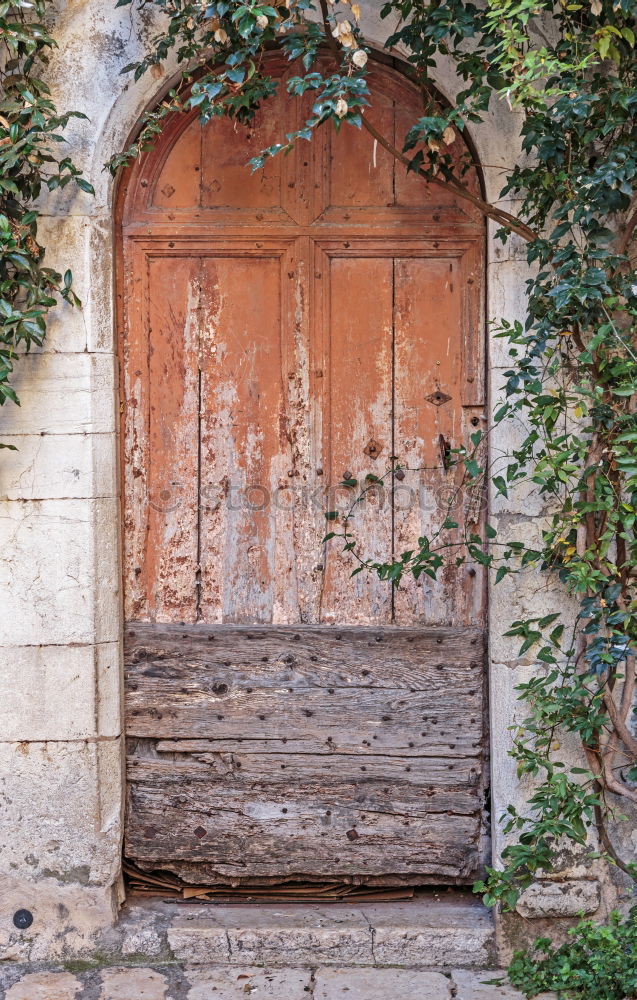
{"points": [[282, 333], [161, 439], [358, 369], [243, 454], [428, 419]]}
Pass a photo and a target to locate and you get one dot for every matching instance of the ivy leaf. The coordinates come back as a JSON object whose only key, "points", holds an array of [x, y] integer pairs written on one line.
{"points": [[500, 485], [84, 185], [532, 639]]}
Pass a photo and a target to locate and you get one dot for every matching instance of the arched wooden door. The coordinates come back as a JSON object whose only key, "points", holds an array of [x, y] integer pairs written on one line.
{"points": [[282, 331]]}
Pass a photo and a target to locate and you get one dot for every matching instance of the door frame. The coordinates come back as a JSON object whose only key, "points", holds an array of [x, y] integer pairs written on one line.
{"points": [[402, 68]]}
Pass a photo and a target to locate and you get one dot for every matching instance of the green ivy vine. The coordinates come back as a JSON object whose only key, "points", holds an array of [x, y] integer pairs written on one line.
{"points": [[31, 134], [568, 72]]}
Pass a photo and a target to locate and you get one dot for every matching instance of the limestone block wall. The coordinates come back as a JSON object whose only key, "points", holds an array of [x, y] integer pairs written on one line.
{"points": [[61, 776]]}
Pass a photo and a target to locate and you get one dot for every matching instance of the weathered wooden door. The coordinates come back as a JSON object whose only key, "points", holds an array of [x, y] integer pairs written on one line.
{"points": [[282, 331]]}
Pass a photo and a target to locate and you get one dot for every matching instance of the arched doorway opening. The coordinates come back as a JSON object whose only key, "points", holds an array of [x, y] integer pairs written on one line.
{"points": [[281, 332]]}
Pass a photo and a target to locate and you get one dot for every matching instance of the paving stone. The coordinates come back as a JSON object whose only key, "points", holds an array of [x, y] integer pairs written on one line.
{"points": [[45, 986], [380, 984], [471, 986], [133, 984], [238, 983]]}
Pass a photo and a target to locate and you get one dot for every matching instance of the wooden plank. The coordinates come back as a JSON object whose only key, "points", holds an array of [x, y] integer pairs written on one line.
{"points": [[429, 332], [228, 146], [385, 720], [178, 184], [414, 192], [244, 451], [134, 432], [357, 427], [308, 689], [163, 402], [429, 784], [408, 659], [323, 820], [361, 173]]}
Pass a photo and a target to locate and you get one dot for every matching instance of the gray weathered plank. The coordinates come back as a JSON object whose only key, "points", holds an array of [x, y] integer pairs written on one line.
{"points": [[352, 690], [304, 752], [325, 826], [353, 656]]}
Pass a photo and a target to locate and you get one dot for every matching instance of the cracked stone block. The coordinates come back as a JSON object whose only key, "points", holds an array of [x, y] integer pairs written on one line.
{"points": [[70, 241], [45, 986], [506, 298], [133, 984], [380, 984], [63, 394], [60, 466], [60, 692], [67, 919], [239, 983], [59, 572], [296, 935], [141, 941], [439, 935], [65, 799], [560, 899]]}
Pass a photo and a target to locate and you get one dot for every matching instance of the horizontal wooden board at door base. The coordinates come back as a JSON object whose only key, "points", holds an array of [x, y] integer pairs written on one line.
{"points": [[304, 751]]}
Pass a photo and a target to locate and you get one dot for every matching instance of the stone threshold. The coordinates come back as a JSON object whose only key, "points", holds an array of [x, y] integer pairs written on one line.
{"points": [[441, 931]]}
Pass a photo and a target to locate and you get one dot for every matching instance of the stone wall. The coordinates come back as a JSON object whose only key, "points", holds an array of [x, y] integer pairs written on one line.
{"points": [[60, 714]]}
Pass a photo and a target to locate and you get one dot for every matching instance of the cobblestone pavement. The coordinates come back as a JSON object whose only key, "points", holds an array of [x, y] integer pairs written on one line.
{"points": [[178, 982]]}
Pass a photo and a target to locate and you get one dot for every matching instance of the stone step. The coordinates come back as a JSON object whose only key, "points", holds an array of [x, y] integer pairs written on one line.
{"points": [[449, 931]]}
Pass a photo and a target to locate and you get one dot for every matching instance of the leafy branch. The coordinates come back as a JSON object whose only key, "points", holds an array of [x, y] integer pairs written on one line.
{"points": [[31, 132]]}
